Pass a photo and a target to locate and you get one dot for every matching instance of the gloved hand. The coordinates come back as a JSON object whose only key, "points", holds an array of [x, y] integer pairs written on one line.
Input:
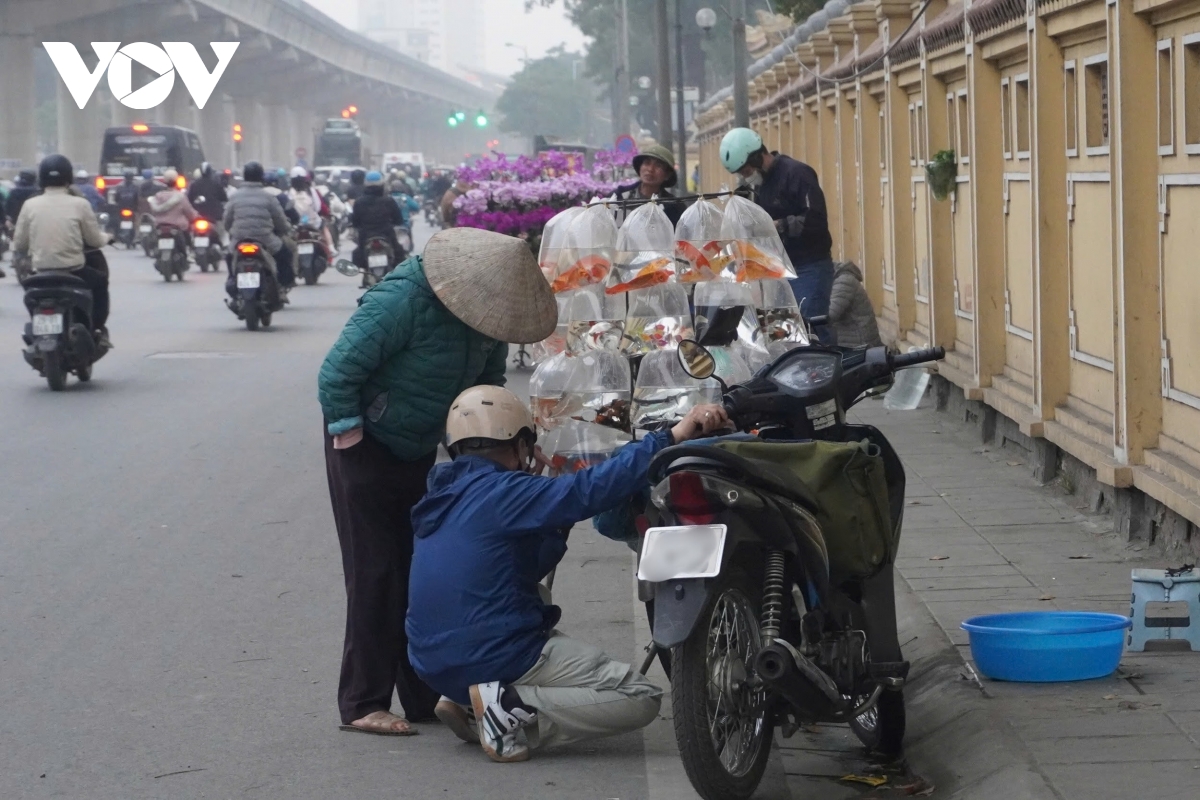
{"points": [[790, 226]]}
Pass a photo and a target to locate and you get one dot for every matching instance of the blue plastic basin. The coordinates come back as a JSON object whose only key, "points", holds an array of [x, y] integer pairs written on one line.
{"points": [[1047, 646]]}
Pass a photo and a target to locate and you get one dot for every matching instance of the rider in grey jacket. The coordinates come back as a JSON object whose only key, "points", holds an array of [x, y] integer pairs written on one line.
{"points": [[254, 213]]}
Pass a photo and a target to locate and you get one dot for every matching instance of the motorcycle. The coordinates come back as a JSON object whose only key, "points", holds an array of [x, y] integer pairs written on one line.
{"points": [[146, 231], [257, 295], [5, 243], [404, 238], [59, 338], [766, 623], [171, 257], [125, 233], [432, 213], [380, 260], [22, 265], [206, 245], [312, 257], [337, 224]]}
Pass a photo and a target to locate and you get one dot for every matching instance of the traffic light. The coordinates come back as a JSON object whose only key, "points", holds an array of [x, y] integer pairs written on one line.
{"points": [[481, 119], [452, 120], [353, 110], [345, 113], [237, 132], [461, 116]]}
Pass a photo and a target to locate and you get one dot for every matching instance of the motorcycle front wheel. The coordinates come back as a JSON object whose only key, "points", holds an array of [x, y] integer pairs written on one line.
{"points": [[721, 721]]}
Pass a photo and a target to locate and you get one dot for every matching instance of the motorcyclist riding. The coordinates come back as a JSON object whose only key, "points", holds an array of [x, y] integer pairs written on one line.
{"points": [[208, 187], [375, 215], [254, 213], [126, 195], [171, 206], [83, 183], [357, 180], [26, 188], [309, 204], [61, 233]]}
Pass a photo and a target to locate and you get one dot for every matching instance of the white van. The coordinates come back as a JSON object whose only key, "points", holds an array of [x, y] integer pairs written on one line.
{"points": [[402, 160]]}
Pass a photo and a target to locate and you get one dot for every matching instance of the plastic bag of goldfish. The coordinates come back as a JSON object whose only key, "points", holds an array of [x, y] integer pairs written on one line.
{"points": [[739, 244]]}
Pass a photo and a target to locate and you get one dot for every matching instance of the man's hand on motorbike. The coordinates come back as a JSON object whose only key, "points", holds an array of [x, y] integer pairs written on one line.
{"points": [[703, 420]]}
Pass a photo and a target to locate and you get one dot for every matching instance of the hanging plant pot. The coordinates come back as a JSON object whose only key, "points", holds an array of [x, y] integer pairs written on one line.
{"points": [[941, 172]]}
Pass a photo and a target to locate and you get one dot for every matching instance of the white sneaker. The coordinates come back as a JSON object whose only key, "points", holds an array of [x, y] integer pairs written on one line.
{"points": [[498, 728], [459, 719]]}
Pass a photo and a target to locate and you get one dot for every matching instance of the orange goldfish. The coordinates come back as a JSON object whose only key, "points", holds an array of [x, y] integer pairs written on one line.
{"points": [[656, 272], [757, 271], [693, 264], [584, 272]]}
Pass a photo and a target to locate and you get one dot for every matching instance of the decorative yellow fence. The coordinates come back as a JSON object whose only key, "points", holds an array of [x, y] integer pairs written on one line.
{"points": [[1063, 275]]}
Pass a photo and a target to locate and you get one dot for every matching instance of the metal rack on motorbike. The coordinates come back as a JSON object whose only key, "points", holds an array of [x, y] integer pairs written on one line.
{"points": [[765, 557]]}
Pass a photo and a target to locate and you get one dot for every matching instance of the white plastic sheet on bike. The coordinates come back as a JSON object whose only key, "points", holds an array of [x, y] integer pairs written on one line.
{"points": [[682, 551], [554, 254], [645, 251], [700, 252], [754, 244], [592, 244]]}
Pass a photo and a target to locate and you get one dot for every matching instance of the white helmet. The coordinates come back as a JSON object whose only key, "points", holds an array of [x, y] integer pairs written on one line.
{"points": [[299, 172], [81, 174], [489, 413]]}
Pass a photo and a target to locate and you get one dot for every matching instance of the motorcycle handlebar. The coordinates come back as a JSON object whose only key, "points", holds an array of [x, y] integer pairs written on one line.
{"points": [[902, 360]]}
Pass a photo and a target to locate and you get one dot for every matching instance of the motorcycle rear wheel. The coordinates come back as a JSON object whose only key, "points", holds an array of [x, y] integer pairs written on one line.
{"points": [[52, 368], [721, 723], [252, 318]]}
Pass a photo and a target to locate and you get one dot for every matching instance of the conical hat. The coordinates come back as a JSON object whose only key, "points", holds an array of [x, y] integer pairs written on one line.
{"points": [[492, 283]]}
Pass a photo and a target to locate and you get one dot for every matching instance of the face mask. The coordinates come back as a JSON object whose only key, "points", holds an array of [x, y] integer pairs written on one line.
{"points": [[754, 181]]}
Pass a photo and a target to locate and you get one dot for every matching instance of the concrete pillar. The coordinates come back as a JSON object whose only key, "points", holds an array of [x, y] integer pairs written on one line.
{"points": [[81, 131], [276, 124], [216, 131], [17, 139]]}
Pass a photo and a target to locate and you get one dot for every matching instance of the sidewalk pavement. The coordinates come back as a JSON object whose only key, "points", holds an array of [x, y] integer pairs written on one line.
{"points": [[980, 536]]}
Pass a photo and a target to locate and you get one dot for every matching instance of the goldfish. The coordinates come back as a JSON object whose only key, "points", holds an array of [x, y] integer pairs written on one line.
{"points": [[757, 264], [656, 272], [693, 264], [584, 272]]}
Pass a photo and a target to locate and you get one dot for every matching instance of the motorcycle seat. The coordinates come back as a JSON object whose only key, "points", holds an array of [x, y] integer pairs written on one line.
{"points": [[54, 279]]}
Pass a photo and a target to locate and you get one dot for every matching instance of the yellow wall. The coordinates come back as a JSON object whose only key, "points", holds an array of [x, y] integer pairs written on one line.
{"points": [[1061, 275]]}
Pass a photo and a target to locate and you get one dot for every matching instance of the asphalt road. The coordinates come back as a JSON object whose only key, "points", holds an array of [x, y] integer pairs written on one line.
{"points": [[171, 599]]}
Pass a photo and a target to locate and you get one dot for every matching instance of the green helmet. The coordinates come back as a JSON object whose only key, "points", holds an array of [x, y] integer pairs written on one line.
{"points": [[737, 147]]}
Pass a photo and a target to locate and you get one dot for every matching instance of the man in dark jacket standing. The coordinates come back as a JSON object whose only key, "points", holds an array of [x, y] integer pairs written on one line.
{"points": [[436, 325], [790, 192], [487, 532]]}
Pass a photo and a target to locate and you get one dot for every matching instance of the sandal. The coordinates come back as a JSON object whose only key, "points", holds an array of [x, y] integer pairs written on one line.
{"points": [[380, 723]]}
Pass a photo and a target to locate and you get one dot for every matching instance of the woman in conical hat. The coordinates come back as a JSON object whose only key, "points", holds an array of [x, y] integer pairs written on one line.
{"points": [[436, 325]]}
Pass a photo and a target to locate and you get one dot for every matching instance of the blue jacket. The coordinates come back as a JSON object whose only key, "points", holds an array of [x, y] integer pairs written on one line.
{"points": [[485, 536]]}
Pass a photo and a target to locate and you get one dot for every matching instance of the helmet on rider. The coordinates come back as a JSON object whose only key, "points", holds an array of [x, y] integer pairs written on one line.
{"points": [[739, 147], [206, 169], [130, 176], [373, 178], [81, 175], [147, 174], [487, 417], [252, 172], [299, 172], [26, 177], [358, 177], [196, 174], [170, 176], [55, 170]]}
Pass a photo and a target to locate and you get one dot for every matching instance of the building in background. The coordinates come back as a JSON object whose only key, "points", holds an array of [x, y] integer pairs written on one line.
{"points": [[447, 34]]}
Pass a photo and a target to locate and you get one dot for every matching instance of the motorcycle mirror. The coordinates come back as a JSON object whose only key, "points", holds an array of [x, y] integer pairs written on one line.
{"points": [[346, 267], [696, 360]]}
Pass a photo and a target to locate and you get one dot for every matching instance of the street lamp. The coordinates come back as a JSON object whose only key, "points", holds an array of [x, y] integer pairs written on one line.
{"points": [[523, 49], [706, 19]]}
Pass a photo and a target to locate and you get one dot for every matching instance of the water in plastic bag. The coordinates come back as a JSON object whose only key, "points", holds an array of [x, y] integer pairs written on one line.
{"points": [[576, 445], [664, 393], [598, 389], [658, 317], [547, 390], [556, 342], [592, 241], [731, 365], [645, 251], [554, 255], [698, 244], [779, 318], [754, 245], [594, 320]]}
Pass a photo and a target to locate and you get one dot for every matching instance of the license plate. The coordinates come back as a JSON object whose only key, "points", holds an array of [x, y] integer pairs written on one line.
{"points": [[305, 248], [377, 261], [683, 551], [144, 228], [47, 324], [201, 241], [126, 225], [249, 280], [166, 244]]}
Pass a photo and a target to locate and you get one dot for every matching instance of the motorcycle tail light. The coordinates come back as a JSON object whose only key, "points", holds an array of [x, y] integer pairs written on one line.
{"points": [[125, 212], [100, 184], [248, 249], [689, 501], [202, 225]]}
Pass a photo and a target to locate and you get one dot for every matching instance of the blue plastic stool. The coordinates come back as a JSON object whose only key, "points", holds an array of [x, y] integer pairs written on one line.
{"points": [[1165, 607]]}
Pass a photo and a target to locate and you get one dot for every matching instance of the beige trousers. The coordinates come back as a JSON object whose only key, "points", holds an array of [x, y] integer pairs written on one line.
{"points": [[580, 693]]}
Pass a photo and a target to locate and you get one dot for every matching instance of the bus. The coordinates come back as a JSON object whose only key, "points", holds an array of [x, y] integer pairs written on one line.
{"points": [[339, 144], [140, 147]]}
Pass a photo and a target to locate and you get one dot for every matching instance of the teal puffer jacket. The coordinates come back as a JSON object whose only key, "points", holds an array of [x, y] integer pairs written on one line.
{"points": [[400, 362]]}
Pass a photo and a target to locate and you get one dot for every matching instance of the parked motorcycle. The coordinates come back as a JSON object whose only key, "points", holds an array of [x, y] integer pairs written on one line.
{"points": [[171, 257], [146, 231], [380, 260], [257, 294], [777, 611], [59, 337], [206, 245], [125, 233], [312, 257]]}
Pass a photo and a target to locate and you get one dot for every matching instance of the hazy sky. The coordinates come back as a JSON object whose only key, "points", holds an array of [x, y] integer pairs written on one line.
{"points": [[506, 21]]}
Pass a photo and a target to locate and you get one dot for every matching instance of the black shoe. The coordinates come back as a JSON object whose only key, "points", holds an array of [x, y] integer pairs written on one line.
{"points": [[102, 339]]}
